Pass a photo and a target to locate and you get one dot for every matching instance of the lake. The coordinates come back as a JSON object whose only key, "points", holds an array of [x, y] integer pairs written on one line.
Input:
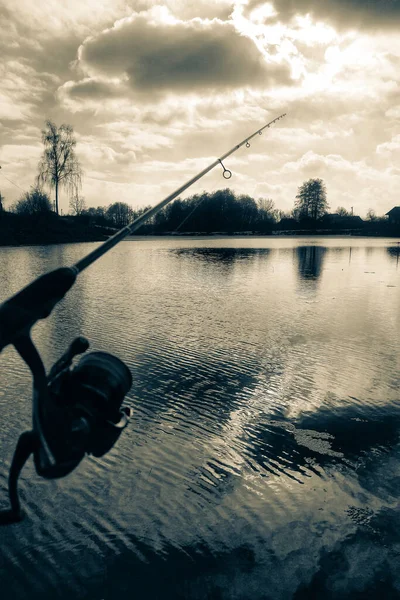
{"points": [[262, 460]]}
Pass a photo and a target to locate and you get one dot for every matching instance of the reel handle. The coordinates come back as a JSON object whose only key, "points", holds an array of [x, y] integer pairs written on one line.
{"points": [[78, 346]]}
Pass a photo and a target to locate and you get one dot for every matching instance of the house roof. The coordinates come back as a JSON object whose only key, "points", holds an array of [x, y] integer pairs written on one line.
{"points": [[349, 218], [394, 210]]}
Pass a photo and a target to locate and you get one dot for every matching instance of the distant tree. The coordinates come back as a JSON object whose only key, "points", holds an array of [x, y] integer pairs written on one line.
{"points": [[224, 212], [371, 215], [1, 202], [99, 212], [247, 213], [267, 210], [342, 212], [32, 203], [139, 211], [175, 214], [59, 165], [282, 214], [267, 214], [77, 203], [120, 214], [311, 199], [266, 205], [295, 213]]}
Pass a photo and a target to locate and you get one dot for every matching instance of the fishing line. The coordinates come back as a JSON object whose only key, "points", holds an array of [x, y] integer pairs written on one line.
{"points": [[196, 206], [16, 185]]}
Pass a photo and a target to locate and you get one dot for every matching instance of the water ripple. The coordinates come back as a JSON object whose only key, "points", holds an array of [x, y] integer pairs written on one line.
{"points": [[265, 428]]}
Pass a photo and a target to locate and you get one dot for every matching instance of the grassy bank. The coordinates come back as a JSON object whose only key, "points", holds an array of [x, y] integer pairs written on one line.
{"points": [[18, 230], [48, 228]]}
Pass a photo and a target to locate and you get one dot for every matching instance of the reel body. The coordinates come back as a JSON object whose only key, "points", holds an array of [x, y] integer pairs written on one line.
{"points": [[82, 413], [77, 410]]}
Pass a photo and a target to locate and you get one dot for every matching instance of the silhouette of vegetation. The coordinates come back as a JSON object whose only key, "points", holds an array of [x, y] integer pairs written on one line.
{"points": [[32, 203], [59, 165], [219, 212], [342, 212], [120, 214], [311, 200], [77, 203]]}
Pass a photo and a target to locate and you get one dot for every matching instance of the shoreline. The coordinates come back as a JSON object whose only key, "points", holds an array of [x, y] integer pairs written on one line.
{"points": [[101, 236]]}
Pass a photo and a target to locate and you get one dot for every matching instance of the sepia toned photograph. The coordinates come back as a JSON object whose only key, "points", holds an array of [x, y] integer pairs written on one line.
{"points": [[200, 300]]}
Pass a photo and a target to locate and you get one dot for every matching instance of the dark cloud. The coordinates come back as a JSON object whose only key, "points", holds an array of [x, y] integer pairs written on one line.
{"points": [[91, 88], [192, 55], [346, 13], [44, 53]]}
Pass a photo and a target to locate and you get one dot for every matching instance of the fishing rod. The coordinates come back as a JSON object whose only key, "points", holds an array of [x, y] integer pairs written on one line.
{"points": [[76, 408], [129, 229]]}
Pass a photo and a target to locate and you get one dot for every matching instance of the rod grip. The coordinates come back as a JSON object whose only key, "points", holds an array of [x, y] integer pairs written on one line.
{"points": [[36, 301]]}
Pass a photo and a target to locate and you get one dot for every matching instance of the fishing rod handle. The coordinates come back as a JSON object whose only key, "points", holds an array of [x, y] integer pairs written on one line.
{"points": [[36, 301]]}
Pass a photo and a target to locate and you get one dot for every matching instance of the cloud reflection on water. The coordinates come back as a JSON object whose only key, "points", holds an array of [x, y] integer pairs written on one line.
{"points": [[266, 420]]}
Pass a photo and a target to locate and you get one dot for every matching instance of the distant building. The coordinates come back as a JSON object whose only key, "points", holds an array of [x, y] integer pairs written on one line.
{"points": [[394, 215], [348, 221]]}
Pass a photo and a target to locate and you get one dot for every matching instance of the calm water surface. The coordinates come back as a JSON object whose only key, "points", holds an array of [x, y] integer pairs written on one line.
{"points": [[263, 457]]}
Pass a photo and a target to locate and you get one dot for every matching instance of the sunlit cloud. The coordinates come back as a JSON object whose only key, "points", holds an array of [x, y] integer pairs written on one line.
{"points": [[154, 91]]}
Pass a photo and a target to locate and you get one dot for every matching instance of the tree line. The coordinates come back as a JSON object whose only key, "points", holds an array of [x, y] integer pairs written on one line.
{"points": [[222, 210], [219, 211]]}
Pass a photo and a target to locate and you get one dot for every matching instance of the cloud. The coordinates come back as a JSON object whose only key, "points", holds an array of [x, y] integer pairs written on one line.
{"points": [[22, 90], [390, 150], [154, 92], [154, 51], [92, 94], [92, 88], [370, 14], [352, 182]]}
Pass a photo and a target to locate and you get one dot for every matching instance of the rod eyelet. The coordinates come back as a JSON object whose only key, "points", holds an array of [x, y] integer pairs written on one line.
{"points": [[227, 174]]}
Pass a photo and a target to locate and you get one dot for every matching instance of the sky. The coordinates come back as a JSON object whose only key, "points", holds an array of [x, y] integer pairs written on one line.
{"points": [[156, 91]]}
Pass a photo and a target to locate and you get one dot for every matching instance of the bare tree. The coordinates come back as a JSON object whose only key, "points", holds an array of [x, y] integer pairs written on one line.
{"points": [[120, 214], [266, 205], [59, 165], [77, 203], [267, 213], [342, 212]]}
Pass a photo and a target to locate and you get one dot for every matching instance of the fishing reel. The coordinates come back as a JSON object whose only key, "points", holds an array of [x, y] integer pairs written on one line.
{"points": [[77, 407], [82, 414]]}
